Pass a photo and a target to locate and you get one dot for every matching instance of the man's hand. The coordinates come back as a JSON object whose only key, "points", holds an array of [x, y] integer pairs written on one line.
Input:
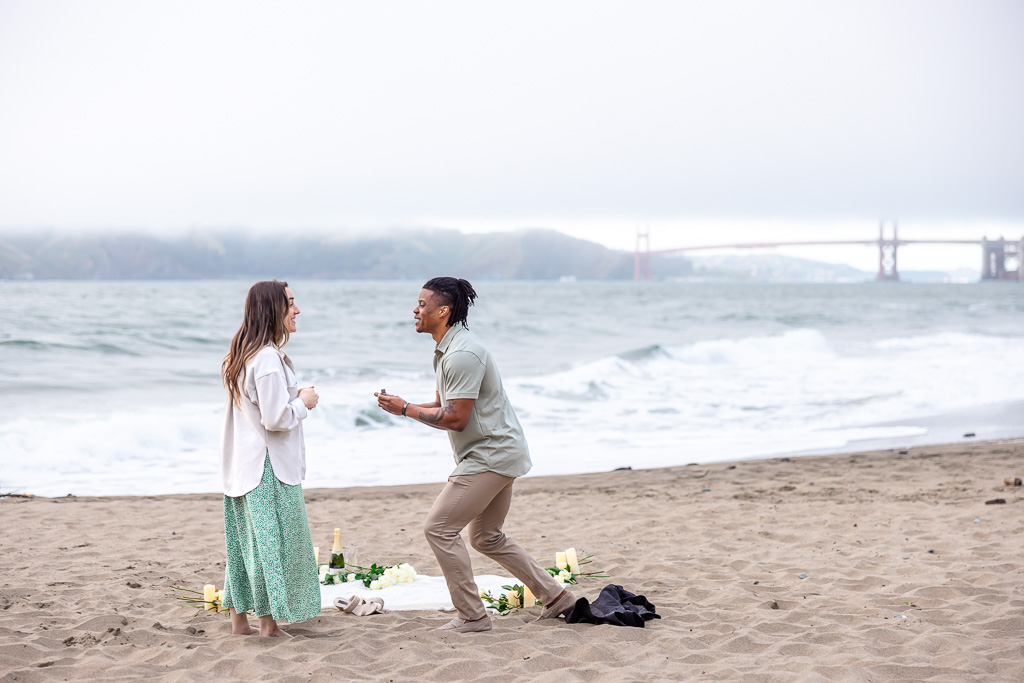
{"points": [[388, 403], [453, 416]]}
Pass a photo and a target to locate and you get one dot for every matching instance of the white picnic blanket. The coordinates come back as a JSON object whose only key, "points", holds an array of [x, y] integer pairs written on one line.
{"points": [[426, 592]]}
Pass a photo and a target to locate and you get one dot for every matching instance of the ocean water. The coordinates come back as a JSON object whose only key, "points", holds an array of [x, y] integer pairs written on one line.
{"points": [[113, 387]]}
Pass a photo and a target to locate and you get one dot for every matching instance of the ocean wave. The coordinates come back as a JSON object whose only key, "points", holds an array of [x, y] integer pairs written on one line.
{"points": [[597, 378], [645, 353], [25, 343], [62, 347], [371, 417], [964, 341], [795, 344]]}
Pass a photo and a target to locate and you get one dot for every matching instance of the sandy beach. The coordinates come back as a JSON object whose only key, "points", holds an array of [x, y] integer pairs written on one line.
{"points": [[875, 566]]}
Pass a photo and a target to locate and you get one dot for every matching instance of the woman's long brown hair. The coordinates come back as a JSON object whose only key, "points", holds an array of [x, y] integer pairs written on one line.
{"points": [[265, 308]]}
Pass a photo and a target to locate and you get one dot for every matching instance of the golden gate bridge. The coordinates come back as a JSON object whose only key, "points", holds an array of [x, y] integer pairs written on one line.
{"points": [[1001, 259]]}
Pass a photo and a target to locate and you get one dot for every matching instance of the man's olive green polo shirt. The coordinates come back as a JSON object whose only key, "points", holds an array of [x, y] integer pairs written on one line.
{"points": [[493, 440]]}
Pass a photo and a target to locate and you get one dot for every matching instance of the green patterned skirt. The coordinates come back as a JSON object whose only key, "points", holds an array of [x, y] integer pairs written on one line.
{"points": [[270, 565]]}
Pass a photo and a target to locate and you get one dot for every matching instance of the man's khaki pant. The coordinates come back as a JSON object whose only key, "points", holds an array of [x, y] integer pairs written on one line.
{"points": [[480, 501]]}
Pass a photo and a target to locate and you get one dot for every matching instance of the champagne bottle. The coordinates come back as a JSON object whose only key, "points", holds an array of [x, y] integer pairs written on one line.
{"points": [[337, 557]]}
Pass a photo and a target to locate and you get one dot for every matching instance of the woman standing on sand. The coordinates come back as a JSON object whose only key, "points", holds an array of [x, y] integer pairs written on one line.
{"points": [[270, 565]]}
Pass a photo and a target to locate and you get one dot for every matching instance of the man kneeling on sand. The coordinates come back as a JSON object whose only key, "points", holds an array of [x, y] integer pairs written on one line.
{"points": [[490, 452]]}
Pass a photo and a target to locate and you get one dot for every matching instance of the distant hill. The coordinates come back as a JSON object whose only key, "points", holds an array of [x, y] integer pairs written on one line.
{"points": [[779, 268], [775, 268], [521, 255]]}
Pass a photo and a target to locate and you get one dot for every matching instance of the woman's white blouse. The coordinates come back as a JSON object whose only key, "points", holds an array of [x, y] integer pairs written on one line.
{"points": [[268, 419]]}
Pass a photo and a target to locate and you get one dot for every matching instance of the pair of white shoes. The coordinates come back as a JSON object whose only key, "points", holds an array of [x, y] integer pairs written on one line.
{"points": [[360, 607]]}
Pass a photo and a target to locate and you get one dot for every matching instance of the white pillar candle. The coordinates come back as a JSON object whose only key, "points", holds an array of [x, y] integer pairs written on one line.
{"points": [[528, 599], [513, 598], [560, 560], [209, 595], [572, 560], [316, 554]]}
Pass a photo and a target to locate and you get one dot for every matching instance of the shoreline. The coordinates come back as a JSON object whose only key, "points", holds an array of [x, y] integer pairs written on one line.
{"points": [[993, 423], [984, 423], [870, 565], [893, 447]]}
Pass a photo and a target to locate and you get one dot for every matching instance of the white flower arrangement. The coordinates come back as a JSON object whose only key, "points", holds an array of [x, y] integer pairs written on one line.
{"points": [[375, 577], [567, 567]]}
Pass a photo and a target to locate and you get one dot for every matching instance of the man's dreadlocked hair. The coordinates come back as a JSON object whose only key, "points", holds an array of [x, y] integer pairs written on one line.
{"points": [[457, 294]]}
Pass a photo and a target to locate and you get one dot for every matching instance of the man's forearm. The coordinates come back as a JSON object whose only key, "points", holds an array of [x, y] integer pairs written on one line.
{"points": [[435, 415]]}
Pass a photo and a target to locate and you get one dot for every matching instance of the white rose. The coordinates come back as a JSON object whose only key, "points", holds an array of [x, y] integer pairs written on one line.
{"points": [[375, 585], [350, 577]]}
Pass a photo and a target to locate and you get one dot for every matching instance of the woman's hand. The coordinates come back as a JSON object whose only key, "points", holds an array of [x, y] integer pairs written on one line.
{"points": [[309, 397]]}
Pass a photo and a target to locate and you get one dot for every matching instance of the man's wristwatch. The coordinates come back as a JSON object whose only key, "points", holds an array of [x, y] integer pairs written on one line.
{"points": [[404, 408]]}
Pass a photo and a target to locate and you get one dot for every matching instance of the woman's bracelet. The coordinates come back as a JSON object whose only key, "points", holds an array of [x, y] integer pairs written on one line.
{"points": [[404, 409]]}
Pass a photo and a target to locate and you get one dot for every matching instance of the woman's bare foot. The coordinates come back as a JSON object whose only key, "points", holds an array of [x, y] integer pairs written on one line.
{"points": [[277, 634], [240, 624], [270, 629]]}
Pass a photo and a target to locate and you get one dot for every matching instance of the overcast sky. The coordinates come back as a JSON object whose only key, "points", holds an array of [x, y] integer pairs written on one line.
{"points": [[704, 122]]}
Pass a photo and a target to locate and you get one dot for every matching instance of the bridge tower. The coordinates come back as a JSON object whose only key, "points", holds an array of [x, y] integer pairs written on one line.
{"points": [[642, 255], [887, 269], [1002, 259]]}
